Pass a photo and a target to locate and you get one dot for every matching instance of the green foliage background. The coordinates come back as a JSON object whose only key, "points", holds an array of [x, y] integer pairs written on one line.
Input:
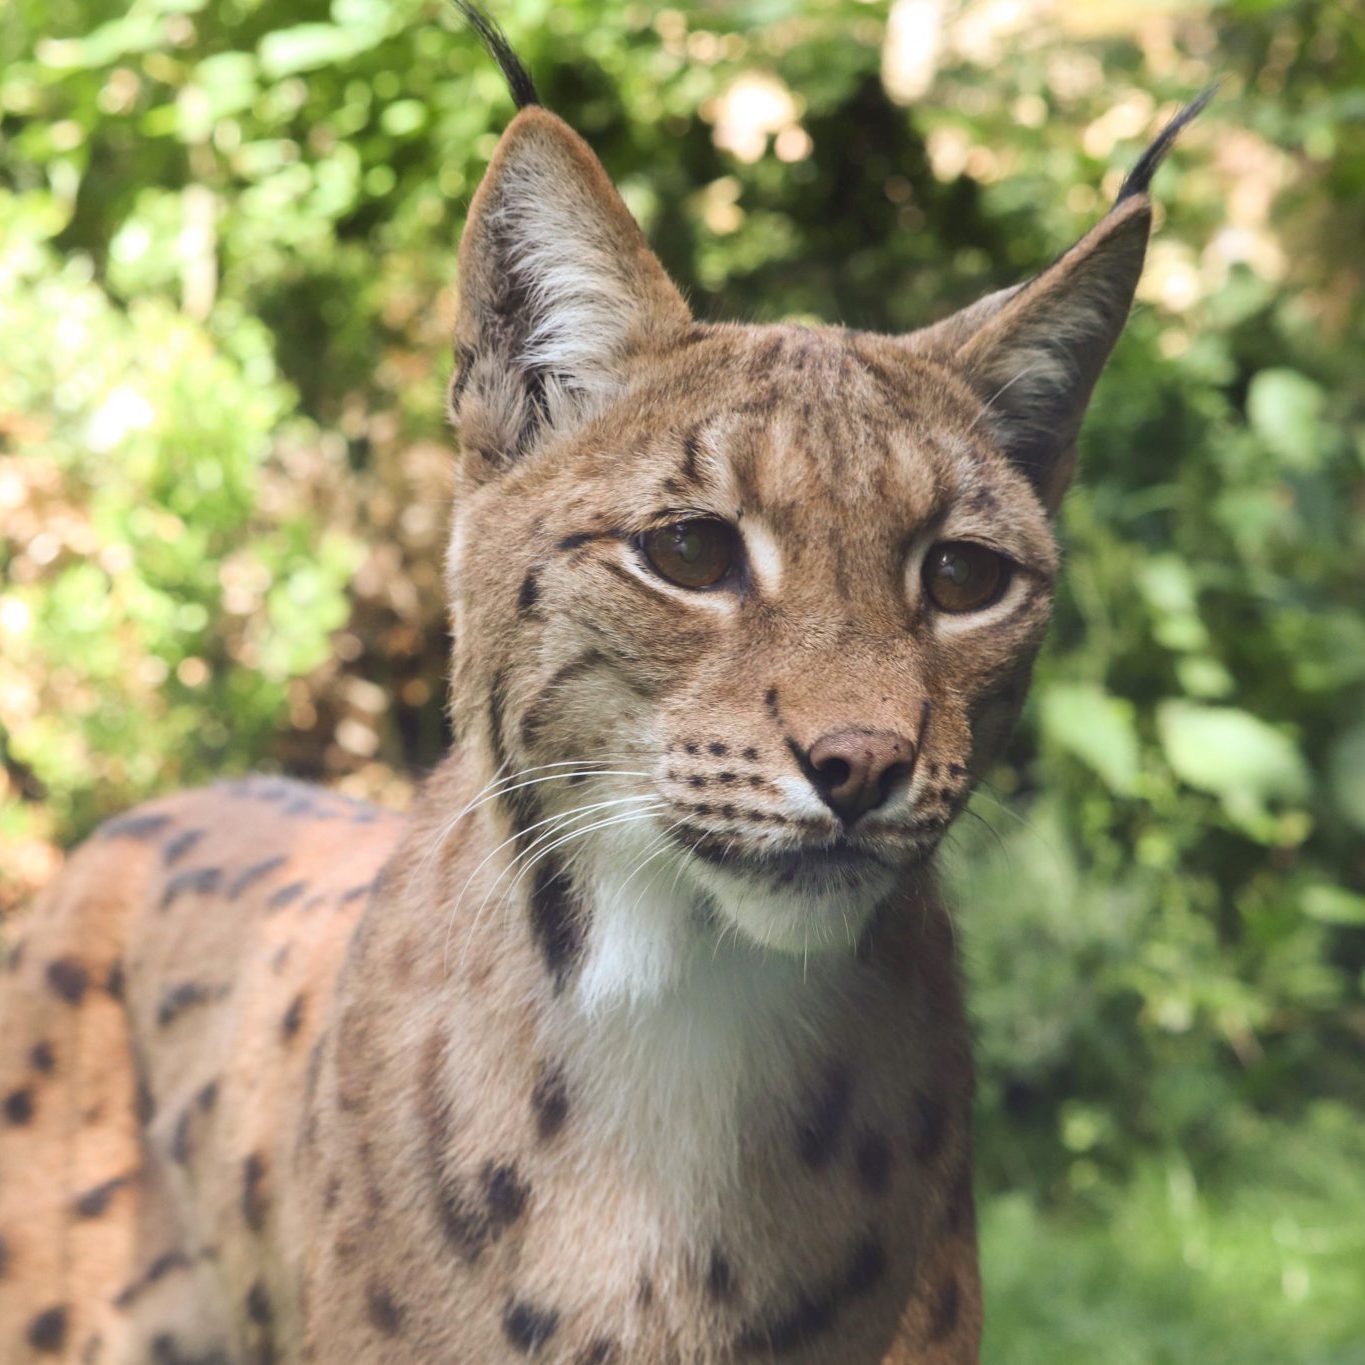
{"points": [[227, 238]]}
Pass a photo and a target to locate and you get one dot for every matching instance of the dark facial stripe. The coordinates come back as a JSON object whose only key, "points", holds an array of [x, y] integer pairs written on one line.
{"points": [[556, 916], [691, 453], [529, 594], [578, 539], [556, 919]]}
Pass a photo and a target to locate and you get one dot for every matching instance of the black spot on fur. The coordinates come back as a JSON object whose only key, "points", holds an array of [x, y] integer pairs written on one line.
{"points": [[114, 982], [181, 845], [751, 755], [42, 1058], [556, 921], [166, 1350], [258, 1305], [463, 1222], [928, 1127], [165, 1263], [718, 749], [504, 1193], [806, 1320], [872, 1157], [293, 1018], [47, 1331], [720, 1278], [95, 1202], [815, 1310], [254, 1202], [286, 895], [158, 1270], [383, 1312], [528, 1328], [866, 1268], [947, 1306], [182, 1138], [136, 825], [550, 1102], [820, 1127], [68, 978], [19, 1107], [255, 873], [961, 1213], [179, 998], [357, 892], [199, 881]]}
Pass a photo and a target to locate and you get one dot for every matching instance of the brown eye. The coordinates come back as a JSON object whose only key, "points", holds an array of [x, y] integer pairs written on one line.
{"points": [[961, 576], [692, 554]]}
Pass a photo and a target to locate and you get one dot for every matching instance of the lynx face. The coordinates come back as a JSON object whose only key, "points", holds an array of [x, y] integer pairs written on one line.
{"points": [[788, 590], [741, 613]]}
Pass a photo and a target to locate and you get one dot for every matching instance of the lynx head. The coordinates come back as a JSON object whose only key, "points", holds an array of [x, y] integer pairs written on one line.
{"points": [[747, 609]]}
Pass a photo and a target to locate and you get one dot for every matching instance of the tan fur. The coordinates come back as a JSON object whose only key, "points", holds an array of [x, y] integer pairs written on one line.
{"points": [[288, 1078]]}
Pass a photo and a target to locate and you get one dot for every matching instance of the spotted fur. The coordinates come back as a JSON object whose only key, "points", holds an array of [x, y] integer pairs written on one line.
{"points": [[600, 1054]]}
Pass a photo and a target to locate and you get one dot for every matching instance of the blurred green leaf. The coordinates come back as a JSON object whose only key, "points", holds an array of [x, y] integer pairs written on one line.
{"points": [[1286, 409], [1097, 728], [1346, 771], [1233, 755]]}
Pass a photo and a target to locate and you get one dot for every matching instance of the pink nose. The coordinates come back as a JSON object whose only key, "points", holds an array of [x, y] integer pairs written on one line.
{"points": [[855, 770]]}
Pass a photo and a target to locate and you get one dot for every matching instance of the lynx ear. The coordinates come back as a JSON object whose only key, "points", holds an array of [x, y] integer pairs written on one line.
{"points": [[1034, 352], [557, 289]]}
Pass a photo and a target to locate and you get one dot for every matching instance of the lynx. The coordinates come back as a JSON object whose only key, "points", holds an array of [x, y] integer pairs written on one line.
{"points": [[640, 1039]]}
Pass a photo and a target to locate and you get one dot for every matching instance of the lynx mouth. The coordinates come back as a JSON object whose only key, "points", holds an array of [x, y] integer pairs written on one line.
{"points": [[825, 867]]}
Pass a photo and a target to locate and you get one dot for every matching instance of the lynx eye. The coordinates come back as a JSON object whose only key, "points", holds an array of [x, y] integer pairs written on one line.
{"points": [[693, 554], [962, 576]]}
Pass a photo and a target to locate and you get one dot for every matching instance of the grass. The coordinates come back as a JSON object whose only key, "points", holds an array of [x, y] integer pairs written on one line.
{"points": [[1262, 1265]]}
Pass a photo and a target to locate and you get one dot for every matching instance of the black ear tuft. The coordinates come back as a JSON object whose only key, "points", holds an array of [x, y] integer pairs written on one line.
{"points": [[518, 79], [1140, 177]]}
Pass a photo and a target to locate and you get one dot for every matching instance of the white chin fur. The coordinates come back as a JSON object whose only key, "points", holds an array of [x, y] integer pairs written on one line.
{"points": [[658, 915], [797, 919]]}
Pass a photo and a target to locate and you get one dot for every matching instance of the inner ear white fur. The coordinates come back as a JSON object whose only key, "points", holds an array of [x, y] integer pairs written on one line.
{"points": [[558, 289], [581, 307]]}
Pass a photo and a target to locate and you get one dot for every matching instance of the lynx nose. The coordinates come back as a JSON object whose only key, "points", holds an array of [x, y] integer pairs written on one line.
{"points": [[854, 770]]}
